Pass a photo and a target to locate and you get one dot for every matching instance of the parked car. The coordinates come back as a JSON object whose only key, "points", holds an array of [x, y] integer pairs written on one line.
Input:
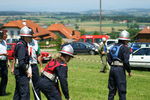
{"points": [[140, 58], [111, 42], [135, 46], [10, 49], [12, 40], [83, 48]]}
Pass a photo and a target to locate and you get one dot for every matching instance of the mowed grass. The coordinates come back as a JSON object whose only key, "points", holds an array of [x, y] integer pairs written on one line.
{"points": [[86, 83]]}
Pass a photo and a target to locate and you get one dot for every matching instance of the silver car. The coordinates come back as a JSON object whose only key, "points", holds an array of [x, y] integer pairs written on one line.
{"points": [[140, 58]]}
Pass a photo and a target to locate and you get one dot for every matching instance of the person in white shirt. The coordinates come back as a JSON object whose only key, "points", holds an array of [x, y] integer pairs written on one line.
{"points": [[35, 57], [3, 65]]}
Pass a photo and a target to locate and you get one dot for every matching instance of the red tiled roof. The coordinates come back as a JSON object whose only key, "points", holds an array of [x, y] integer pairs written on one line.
{"points": [[35, 27], [65, 31], [146, 30]]}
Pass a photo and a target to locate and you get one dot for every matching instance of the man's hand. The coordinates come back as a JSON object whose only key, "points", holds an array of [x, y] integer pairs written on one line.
{"points": [[130, 74], [29, 72], [41, 69], [12, 70], [29, 75], [103, 52]]}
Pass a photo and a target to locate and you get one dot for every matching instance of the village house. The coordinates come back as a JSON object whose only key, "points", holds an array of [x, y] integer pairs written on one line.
{"points": [[64, 32], [13, 29], [144, 35], [52, 32]]}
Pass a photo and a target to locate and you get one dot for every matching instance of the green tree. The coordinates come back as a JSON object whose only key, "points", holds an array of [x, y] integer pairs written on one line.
{"points": [[58, 43], [83, 32], [96, 33], [133, 32], [114, 35], [76, 26]]}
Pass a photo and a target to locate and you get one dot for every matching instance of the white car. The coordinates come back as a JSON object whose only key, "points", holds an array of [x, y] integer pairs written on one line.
{"points": [[140, 58]]}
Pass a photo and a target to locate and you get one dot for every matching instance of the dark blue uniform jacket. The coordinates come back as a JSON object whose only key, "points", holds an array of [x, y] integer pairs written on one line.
{"points": [[124, 54], [21, 53]]}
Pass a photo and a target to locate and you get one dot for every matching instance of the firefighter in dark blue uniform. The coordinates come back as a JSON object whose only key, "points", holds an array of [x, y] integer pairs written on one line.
{"points": [[21, 71], [56, 69], [118, 59], [3, 65]]}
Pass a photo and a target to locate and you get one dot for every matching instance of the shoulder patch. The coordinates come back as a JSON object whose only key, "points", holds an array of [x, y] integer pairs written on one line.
{"points": [[64, 65], [19, 43]]}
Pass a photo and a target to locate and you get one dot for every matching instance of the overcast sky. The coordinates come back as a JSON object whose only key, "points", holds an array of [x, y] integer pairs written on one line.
{"points": [[69, 5]]}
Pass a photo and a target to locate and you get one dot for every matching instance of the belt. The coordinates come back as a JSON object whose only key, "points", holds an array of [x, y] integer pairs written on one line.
{"points": [[49, 75], [117, 63]]}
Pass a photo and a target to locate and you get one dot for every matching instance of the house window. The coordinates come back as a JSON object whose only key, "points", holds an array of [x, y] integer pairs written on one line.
{"points": [[18, 32], [60, 34], [11, 33]]}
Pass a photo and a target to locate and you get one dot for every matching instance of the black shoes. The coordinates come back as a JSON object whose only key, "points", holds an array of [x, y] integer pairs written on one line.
{"points": [[4, 94], [102, 71]]}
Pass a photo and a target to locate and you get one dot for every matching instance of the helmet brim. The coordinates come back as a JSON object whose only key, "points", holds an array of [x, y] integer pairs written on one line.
{"points": [[26, 35], [67, 53], [124, 39]]}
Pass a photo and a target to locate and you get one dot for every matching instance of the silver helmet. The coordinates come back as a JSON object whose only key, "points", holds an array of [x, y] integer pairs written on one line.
{"points": [[67, 50], [124, 35], [104, 39], [25, 31]]}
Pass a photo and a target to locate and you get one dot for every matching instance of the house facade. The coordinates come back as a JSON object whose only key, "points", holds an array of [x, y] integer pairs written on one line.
{"points": [[64, 32], [144, 35], [13, 29], [52, 32]]}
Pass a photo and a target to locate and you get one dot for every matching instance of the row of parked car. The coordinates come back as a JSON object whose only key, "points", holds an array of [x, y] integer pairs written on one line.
{"points": [[139, 57]]}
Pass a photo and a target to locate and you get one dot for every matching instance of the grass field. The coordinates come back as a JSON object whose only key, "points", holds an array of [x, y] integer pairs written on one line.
{"points": [[86, 83]]}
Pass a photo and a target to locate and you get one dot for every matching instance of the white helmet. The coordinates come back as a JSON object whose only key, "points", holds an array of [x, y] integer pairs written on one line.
{"points": [[124, 35], [67, 50], [25, 31], [103, 39]]}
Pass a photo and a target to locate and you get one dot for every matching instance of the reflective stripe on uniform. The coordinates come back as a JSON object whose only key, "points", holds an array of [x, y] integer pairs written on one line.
{"points": [[117, 63], [49, 75]]}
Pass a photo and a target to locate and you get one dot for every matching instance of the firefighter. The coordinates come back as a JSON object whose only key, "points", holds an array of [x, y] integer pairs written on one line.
{"points": [[3, 65], [35, 57], [56, 69], [22, 69], [103, 55], [118, 59]]}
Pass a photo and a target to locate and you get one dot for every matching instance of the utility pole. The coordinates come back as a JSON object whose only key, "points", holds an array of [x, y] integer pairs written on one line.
{"points": [[100, 17]]}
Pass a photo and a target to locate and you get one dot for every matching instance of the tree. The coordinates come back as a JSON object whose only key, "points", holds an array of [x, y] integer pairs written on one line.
{"points": [[83, 32], [96, 33], [76, 26], [133, 32], [58, 43], [114, 35]]}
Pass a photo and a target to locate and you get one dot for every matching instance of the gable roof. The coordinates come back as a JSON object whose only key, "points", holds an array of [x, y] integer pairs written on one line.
{"points": [[38, 30], [146, 30], [69, 33]]}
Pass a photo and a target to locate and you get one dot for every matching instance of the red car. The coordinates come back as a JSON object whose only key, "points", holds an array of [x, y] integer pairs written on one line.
{"points": [[10, 49]]}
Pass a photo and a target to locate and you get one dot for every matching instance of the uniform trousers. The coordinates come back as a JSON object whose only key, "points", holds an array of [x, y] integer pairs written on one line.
{"points": [[117, 81], [4, 76], [49, 88], [104, 63], [35, 78], [22, 91]]}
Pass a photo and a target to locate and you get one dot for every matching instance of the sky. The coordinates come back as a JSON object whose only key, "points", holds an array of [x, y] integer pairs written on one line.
{"points": [[70, 5]]}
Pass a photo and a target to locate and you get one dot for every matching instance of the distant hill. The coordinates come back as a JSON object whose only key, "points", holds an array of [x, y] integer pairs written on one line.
{"points": [[133, 12], [124, 12]]}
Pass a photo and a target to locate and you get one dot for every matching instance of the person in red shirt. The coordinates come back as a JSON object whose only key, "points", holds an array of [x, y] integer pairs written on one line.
{"points": [[56, 70]]}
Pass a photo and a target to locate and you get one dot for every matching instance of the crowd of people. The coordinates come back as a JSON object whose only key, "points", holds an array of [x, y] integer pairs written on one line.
{"points": [[25, 68]]}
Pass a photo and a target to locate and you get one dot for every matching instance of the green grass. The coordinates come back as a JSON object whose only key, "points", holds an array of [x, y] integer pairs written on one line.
{"points": [[86, 83]]}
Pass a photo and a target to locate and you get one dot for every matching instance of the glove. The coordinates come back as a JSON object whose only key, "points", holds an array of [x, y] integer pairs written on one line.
{"points": [[29, 72]]}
